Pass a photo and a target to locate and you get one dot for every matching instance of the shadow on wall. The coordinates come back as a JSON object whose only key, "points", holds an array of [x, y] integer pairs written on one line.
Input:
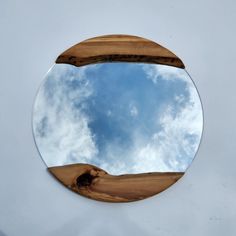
{"points": [[2, 234]]}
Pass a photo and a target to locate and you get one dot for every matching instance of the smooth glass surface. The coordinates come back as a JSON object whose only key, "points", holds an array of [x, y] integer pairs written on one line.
{"points": [[121, 117]]}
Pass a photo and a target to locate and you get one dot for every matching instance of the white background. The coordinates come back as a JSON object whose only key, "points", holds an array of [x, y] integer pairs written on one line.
{"points": [[33, 33]]}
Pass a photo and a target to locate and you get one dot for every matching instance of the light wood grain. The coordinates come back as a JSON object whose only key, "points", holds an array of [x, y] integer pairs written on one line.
{"points": [[118, 48], [93, 182]]}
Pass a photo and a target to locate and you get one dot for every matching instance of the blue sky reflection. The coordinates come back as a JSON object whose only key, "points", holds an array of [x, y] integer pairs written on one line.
{"points": [[122, 117]]}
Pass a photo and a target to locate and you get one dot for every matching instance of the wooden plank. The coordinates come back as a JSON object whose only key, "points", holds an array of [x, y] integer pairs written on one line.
{"points": [[93, 182], [118, 48]]}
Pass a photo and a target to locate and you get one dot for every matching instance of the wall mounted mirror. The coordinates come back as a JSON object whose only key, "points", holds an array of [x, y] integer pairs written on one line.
{"points": [[117, 126]]}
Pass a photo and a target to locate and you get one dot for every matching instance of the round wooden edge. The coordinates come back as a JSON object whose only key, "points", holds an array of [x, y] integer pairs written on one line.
{"points": [[95, 183], [118, 48]]}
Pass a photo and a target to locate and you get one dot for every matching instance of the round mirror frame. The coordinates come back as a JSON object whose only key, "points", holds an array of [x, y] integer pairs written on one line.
{"points": [[91, 181]]}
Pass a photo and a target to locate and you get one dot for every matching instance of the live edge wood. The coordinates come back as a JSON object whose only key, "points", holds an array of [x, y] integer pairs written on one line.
{"points": [[118, 48], [93, 182]]}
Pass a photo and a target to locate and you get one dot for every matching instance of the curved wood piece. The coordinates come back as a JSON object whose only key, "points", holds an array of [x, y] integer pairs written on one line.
{"points": [[118, 48], [95, 183]]}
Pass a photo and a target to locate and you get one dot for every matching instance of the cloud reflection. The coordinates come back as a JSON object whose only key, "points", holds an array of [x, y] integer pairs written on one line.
{"points": [[122, 117]]}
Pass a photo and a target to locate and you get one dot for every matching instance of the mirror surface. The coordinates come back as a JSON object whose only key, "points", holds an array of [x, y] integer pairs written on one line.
{"points": [[125, 118]]}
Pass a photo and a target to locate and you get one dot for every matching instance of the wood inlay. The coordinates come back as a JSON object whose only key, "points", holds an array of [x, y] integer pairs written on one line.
{"points": [[95, 183], [118, 48]]}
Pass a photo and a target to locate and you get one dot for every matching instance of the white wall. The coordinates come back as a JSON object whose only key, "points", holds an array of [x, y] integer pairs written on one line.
{"points": [[34, 33]]}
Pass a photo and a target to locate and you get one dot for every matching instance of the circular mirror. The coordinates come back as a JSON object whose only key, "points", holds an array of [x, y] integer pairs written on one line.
{"points": [[117, 131]]}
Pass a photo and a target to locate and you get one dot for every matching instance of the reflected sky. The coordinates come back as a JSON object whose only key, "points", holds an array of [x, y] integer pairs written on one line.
{"points": [[121, 117]]}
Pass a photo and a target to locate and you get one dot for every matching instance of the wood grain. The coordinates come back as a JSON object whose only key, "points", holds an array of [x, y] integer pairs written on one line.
{"points": [[93, 182], [118, 48]]}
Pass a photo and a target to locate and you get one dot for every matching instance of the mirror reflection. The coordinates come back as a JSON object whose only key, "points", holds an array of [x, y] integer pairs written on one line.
{"points": [[121, 117]]}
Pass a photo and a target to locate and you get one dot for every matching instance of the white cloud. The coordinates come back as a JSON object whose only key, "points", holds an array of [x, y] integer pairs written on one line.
{"points": [[173, 147], [133, 110], [155, 72], [61, 132], [63, 135]]}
